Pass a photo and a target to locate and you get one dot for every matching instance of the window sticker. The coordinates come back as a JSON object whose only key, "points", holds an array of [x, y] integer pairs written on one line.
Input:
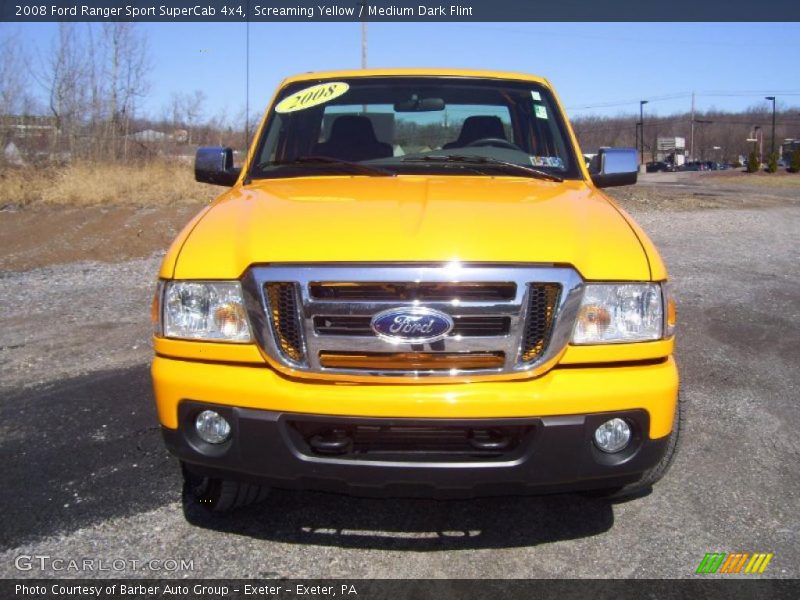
{"points": [[540, 111], [536, 96], [554, 162], [312, 96]]}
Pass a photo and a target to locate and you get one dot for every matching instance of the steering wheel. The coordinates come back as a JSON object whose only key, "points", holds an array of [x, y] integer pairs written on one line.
{"points": [[493, 141]]}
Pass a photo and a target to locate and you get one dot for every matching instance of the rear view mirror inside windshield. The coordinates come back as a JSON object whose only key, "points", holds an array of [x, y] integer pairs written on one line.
{"points": [[417, 104]]}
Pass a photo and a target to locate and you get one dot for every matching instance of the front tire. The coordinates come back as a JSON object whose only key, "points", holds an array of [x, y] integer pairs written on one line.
{"points": [[217, 495]]}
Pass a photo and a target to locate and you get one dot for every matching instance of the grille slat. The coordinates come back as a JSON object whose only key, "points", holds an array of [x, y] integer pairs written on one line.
{"points": [[391, 291], [359, 325], [412, 361]]}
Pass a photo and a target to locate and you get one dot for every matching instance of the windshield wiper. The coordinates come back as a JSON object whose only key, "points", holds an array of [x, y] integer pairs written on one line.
{"points": [[334, 162], [485, 160]]}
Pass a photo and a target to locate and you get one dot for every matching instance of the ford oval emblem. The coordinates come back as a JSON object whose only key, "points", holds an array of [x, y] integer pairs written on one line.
{"points": [[413, 325]]}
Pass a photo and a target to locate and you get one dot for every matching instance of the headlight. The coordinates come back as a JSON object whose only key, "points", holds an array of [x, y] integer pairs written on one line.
{"points": [[620, 312], [205, 310]]}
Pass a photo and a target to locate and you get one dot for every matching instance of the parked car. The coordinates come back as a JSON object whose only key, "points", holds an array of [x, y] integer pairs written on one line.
{"points": [[659, 167], [474, 319]]}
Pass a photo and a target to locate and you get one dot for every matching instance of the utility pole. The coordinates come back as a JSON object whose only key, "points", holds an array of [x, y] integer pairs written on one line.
{"points": [[247, 81], [760, 136], [364, 12], [757, 137], [364, 35], [641, 127], [703, 137], [691, 138], [773, 121]]}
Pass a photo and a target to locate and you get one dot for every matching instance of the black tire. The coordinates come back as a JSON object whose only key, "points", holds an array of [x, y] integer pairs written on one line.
{"points": [[219, 496], [654, 473]]}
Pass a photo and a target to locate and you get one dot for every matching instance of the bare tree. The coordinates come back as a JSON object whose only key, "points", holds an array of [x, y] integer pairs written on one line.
{"points": [[95, 79], [64, 74], [186, 110], [194, 110], [126, 64], [17, 103], [220, 129], [13, 75]]}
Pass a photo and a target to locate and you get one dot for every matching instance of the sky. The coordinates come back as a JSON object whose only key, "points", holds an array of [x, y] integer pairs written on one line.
{"points": [[597, 68]]}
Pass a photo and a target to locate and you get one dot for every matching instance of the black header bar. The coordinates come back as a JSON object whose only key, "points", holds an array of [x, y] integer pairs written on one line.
{"points": [[421, 589], [399, 10]]}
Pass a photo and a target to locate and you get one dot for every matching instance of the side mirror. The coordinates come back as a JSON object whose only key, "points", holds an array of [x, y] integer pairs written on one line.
{"points": [[614, 166], [214, 164]]}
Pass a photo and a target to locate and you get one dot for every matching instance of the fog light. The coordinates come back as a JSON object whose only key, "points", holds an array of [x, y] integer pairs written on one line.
{"points": [[212, 427], [613, 435]]}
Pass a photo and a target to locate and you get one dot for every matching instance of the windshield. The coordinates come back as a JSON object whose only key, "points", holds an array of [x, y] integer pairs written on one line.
{"points": [[398, 125]]}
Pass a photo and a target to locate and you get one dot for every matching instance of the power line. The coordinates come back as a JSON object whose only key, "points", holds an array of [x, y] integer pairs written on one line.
{"points": [[626, 102], [580, 129], [615, 38], [685, 117], [677, 96], [752, 93]]}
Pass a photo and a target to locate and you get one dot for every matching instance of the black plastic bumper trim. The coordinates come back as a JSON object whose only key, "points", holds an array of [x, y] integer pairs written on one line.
{"points": [[559, 456]]}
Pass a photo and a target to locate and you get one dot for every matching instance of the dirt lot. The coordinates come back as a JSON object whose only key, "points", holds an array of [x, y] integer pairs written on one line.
{"points": [[98, 233], [85, 474]]}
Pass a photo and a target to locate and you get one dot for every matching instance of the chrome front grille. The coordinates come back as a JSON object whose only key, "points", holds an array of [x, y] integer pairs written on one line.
{"points": [[316, 319]]}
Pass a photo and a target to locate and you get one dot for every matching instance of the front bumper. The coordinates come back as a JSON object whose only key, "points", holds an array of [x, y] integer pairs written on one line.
{"points": [[555, 454], [565, 390], [557, 414]]}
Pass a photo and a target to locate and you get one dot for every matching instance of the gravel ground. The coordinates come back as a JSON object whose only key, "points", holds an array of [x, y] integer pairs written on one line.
{"points": [[68, 320], [85, 474]]}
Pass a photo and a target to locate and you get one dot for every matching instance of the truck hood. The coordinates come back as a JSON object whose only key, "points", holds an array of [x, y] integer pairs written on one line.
{"points": [[410, 218]]}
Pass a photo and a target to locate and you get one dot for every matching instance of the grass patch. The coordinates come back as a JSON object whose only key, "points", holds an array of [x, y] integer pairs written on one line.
{"points": [[90, 184], [780, 179]]}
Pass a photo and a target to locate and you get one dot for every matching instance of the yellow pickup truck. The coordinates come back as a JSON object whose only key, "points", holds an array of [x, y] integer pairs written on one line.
{"points": [[415, 287]]}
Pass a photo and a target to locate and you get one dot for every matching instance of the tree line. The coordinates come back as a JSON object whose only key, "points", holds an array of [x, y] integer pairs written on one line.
{"points": [[718, 135], [83, 98]]}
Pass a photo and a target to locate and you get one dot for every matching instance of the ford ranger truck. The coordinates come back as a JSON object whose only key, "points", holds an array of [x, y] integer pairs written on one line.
{"points": [[415, 287]]}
